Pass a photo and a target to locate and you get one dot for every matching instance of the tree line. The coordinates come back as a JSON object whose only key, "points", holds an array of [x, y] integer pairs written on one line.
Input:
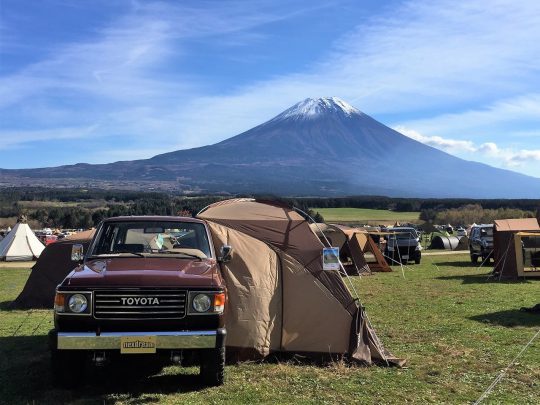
{"points": [[417, 204], [473, 213], [80, 217], [120, 202]]}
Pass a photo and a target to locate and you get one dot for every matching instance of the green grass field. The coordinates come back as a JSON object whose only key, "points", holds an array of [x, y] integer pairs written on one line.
{"points": [[365, 215], [457, 331]]}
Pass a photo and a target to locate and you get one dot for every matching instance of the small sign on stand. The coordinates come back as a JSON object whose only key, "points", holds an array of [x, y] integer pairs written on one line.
{"points": [[331, 258]]}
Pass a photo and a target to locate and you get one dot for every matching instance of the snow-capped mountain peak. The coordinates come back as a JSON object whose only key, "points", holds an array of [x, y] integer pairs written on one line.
{"points": [[314, 107]]}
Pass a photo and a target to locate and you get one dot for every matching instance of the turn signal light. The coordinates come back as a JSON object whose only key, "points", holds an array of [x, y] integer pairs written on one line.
{"points": [[59, 302], [219, 303]]}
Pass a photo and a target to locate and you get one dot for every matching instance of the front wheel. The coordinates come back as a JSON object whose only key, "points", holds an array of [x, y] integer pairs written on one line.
{"points": [[213, 366], [417, 258], [474, 258]]}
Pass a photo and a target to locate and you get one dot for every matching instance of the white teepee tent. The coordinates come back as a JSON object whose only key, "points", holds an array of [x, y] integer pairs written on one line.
{"points": [[20, 244]]}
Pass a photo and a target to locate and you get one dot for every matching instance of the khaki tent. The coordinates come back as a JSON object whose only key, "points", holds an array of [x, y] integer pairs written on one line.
{"points": [[20, 244], [351, 255], [504, 245], [365, 243], [51, 268], [280, 298], [527, 248]]}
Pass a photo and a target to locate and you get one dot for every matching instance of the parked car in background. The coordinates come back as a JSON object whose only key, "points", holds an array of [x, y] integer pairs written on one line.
{"points": [[48, 239], [481, 242], [403, 245], [461, 232]]}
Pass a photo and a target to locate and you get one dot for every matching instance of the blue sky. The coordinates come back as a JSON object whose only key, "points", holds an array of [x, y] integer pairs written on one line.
{"points": [[101, 81]]}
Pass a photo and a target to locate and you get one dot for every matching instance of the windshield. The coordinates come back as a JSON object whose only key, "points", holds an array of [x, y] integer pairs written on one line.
{"points": [[186, 239], [405, 233], [488, 231]]}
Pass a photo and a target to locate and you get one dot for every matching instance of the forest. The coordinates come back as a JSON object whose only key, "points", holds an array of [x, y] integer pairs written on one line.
{"points": [[84, 208]]}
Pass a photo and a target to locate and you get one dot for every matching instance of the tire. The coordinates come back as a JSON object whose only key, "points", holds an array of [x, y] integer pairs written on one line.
{"points": [[67, 367], [474, 257], [417, 258], [213, 366]]}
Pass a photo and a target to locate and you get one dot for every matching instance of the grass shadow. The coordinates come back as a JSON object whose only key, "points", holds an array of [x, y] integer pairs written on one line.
{"points": [[471, 278], [6, 306], [137, 381], [14, 306], [485, 278], [463, 264], [509, 318], [25, 377]]}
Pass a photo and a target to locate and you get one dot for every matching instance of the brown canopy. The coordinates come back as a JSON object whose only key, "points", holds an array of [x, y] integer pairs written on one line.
{"points": [[52, 267], [280, 298], [365, 243], [504, 251], [351, 255]]}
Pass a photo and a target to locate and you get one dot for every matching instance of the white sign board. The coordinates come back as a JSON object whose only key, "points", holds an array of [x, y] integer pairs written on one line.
{"points": [[331, 258]]}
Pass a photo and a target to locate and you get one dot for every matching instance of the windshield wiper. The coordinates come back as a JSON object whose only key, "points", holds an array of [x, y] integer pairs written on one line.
{"points": [[171, 252], [119, 253]]}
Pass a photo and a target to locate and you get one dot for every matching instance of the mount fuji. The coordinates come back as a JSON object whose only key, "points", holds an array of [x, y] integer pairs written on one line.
{"points": [[318, 147]]}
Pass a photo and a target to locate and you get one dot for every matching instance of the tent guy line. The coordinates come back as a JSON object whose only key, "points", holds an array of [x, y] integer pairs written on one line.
{"points": [[505, 370], [355, 293]]}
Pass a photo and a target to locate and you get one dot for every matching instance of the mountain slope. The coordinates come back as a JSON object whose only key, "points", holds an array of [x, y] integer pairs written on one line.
{"points": [[317, 147]]}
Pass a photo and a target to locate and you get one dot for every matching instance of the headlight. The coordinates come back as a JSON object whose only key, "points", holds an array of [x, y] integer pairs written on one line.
{"points": [[77, 303], [201, 303]]}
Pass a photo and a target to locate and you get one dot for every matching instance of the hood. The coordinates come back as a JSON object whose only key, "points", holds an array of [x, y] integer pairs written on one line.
{"points": [[146, 272]]}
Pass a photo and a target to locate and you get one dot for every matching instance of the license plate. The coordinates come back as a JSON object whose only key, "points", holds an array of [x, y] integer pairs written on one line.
{"points": [[137, 344], [405, 256]]}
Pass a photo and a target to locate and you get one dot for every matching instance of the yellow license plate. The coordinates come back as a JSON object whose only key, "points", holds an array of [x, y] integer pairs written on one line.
{"points": [[137, 344]]}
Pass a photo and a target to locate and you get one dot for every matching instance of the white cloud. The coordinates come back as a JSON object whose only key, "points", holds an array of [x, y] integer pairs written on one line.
{"points": [[449, 145], [489, 148], [17, 138], [504, 115], [508, 156], [420, 57], [430, 57], [520, 157]]}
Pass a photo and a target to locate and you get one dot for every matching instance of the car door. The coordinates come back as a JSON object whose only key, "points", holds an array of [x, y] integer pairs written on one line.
{"points": [[475, 241]]}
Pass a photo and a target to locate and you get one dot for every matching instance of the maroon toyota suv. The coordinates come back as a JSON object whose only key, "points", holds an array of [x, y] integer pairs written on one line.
{"points": [[146, 285]]}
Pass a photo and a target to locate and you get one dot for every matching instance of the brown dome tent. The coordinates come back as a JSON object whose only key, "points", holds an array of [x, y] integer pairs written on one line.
{"points": [[52, 267], [359, 251], [280, 298], [367, 245], [508, 259], [350, 254]]}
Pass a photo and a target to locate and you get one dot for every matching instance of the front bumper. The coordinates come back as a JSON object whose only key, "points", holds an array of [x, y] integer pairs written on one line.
{"points": [[175, 340]]}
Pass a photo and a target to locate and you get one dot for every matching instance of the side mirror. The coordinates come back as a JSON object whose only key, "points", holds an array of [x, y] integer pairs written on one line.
{"points": [[77, 253], [226, 254]]}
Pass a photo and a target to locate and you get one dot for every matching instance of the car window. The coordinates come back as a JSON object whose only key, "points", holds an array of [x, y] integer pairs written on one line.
{"points": [[406, 234], [153, 237]]}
